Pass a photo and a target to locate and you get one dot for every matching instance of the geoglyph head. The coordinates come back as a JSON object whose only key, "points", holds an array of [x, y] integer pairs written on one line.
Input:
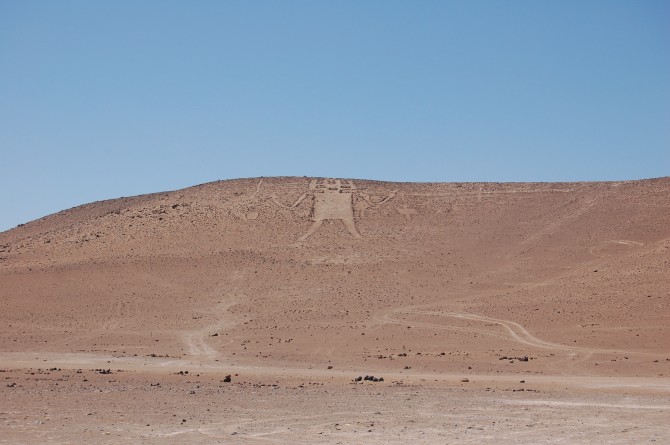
{"points": [[331, 185]]}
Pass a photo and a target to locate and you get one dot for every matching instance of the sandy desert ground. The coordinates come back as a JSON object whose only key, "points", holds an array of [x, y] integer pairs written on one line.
{"points": [[494, 313]]}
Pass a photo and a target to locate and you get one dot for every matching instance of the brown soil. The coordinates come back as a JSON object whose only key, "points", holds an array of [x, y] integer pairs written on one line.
{"points": [[295, 286]]}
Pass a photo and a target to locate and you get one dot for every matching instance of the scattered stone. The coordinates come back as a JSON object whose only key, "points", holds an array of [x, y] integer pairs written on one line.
{"points": [[369, 378], [525, 358], [465, 380], [227, 379]]}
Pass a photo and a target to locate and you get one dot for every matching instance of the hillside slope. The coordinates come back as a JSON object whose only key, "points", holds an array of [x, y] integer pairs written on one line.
{"points": [[286, 273]]}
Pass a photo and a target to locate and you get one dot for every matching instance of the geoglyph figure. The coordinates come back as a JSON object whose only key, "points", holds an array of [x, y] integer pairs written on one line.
{"points": [[333, 199]]}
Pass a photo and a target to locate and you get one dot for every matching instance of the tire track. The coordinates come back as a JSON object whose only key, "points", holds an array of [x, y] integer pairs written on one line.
{"points": [[515, 331], [196, 341]]}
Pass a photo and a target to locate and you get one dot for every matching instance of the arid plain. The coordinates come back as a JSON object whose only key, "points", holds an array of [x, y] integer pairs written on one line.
{"points": [[243, 311]]}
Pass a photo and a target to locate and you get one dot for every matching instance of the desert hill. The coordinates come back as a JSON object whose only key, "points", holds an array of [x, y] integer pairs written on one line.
{"points": [[403, 277], [248, 312]]}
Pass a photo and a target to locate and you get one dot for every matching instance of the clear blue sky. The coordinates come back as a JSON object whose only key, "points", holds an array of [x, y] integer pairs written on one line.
{"points": [[106, 99]]}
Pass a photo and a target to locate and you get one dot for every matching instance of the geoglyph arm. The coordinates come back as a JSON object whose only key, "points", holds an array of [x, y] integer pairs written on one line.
{"points": [[299, 200], [376, 205]]}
